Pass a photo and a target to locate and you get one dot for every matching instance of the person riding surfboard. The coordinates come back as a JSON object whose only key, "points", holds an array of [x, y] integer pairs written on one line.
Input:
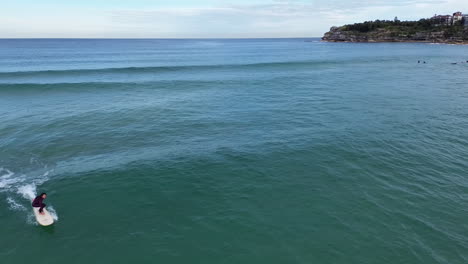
{"points": [[38, 202]]}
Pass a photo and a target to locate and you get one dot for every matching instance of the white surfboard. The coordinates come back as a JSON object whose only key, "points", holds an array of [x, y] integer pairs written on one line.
{"points": [[43, 219]]}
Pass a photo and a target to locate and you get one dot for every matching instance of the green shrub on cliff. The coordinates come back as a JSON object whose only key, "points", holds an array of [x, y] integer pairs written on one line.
{"points": [[402, 26]]}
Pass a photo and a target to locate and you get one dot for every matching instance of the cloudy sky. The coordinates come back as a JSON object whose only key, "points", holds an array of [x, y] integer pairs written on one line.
{"points": [[202, 18]]}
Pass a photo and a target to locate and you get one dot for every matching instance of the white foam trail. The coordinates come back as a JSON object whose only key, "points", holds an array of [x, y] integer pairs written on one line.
{"points": [[7, 179], [53, 213], [5, 172], [10, 181], [28, 191], [15, 205]]}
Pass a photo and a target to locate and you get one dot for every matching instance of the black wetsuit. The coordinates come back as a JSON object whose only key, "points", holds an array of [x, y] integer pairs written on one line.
{"points": [[38, 203]]}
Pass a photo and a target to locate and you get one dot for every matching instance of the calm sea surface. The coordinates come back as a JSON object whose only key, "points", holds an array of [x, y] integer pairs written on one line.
{"points": [[234, 151]]}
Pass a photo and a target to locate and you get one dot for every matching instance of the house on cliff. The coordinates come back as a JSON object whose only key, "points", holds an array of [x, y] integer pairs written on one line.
{"points": [[448, 20], [465, 20], [457, 18], [442, 20]]}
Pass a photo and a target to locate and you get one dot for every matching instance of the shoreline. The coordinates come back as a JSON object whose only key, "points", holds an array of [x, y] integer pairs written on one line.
{"points": [[396, 41]]}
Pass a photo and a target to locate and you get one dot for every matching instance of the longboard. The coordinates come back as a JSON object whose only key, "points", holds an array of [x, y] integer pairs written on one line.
{"points": [[43, 219]]}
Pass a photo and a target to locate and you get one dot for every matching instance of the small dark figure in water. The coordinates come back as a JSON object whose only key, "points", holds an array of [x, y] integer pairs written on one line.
{"points": [[454, 63], [424, 62], [419, 61], [38, 202]]}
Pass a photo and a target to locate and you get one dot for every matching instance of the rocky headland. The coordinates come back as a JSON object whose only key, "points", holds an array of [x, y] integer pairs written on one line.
{"points": [[425, 30]]}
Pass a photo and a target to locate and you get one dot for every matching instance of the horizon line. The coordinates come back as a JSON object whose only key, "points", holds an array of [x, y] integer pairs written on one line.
{"points": [[161, 38]]}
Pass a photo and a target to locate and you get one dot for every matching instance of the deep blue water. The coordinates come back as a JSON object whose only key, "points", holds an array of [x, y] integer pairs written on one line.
{"points": [[234, 151]]}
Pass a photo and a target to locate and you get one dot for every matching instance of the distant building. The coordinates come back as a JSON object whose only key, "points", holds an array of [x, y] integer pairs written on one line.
{"points": [[443, 20], [457, 17], [465, 20]]}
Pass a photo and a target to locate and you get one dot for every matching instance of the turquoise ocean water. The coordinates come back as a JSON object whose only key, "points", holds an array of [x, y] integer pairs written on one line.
{"points": [[234, 151]]}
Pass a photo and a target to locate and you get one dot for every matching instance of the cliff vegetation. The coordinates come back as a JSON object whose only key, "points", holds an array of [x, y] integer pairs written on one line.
{"points": [[424, 30]]}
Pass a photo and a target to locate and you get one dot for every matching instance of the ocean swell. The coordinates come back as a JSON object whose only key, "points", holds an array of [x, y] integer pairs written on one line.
{"points": [[162, 69]]}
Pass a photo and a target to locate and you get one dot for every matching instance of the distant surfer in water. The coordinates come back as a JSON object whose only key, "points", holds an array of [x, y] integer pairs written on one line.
{"points": [[38, 202]]}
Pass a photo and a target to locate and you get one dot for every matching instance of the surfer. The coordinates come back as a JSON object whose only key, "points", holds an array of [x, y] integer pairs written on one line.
{"points": [[38, 202]]}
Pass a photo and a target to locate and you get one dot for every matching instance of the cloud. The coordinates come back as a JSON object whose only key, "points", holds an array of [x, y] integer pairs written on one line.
{"points": [[266, 18], [278, 18], [278, 9]]}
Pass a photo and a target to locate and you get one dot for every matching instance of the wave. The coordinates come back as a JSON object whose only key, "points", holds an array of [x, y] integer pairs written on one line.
{"points": [[161, 69], [64, 86], [25, 87]]}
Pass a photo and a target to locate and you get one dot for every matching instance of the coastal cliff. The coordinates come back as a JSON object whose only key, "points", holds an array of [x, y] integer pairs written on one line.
{"points": [[425, 30]]}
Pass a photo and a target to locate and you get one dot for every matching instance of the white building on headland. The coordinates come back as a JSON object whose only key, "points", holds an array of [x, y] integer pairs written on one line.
{"points": [[448, 20], [457, 16]]}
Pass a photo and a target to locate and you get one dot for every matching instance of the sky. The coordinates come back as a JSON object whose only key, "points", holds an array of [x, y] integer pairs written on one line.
{"points": [[203, 18]]}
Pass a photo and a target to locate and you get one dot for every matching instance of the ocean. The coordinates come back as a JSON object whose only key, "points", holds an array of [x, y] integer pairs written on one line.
{"points": [[233, 151]]}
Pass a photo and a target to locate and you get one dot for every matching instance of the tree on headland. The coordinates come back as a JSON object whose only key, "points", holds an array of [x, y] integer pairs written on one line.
{"points": [[420, 25]]}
